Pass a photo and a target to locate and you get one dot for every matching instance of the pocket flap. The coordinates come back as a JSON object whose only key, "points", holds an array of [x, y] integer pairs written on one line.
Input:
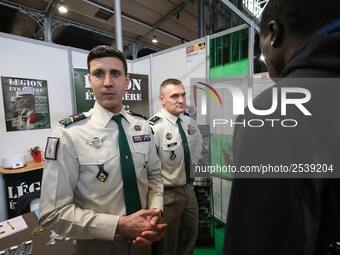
{"points": [[170, 146], [141, 147], [94, 156]]}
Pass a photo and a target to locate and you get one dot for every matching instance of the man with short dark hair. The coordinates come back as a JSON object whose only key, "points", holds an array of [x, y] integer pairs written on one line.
{"points": [[179, 145], [101, 183], [300, 41]]}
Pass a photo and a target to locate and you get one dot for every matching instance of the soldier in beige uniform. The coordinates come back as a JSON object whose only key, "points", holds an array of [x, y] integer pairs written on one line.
{"points": [[179, 145], [101, 182]]}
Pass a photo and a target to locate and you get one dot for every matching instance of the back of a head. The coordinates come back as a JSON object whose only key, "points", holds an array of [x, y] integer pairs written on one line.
{"points": [[301, 18], [102, 51]]}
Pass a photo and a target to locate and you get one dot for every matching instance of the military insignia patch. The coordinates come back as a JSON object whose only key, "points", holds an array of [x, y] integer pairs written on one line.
{"points": [[172, 156], [137, 127], [153, 120], [95, 142], [171, 144], [72, 119], [168, 136], [141, 138], [191, 130], [51, 148], [102, 174]]}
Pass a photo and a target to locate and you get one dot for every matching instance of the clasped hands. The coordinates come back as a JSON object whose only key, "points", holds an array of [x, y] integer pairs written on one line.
{"points": [[142, 227]]}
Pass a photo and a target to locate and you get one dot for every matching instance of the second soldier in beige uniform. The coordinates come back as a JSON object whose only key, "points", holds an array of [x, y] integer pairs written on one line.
{"points": [[179, 145], [88, 192]]}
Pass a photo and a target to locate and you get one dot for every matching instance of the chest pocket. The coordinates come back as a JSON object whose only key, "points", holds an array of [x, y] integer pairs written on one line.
{"points": [[98, 156], [171, 153], [141, 147], [170, 146], [140, 151]]}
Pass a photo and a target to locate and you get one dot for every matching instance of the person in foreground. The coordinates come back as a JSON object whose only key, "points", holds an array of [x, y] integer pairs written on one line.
{"points": [[300, 41], [101, 181]]}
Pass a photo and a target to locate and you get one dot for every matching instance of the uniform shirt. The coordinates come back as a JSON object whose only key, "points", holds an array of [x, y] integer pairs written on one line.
{"points": [[74, 198], [169, 142]]}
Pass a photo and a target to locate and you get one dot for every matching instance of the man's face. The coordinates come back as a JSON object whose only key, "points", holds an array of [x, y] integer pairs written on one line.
{"points": [[173, 98], [108, 81]]}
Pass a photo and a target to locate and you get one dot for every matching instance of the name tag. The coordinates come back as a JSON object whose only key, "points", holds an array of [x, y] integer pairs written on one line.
{"points": [[171, 144], [141, 138]]}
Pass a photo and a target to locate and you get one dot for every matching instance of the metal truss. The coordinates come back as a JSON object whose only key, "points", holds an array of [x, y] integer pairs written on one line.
{"points": [[256, 7], [49, 24]]}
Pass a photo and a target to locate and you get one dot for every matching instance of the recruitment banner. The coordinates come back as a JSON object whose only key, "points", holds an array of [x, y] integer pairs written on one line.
{"points": [[25, 103], [136, 98]]}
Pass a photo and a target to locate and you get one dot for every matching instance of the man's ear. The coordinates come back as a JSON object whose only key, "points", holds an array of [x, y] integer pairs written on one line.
{"points": [[275, 33], [161, 100]]}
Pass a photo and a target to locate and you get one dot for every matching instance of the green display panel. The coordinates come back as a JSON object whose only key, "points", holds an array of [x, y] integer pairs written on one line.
{"points": [[228, 58], [233, 69], [229, 55]]}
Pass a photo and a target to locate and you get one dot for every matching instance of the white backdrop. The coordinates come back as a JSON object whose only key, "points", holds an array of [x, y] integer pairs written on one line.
{"points": [[172, 63], [27, 59]]}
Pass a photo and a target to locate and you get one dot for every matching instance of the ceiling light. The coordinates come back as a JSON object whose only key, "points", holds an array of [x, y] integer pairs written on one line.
{"points": [[154, 39], [62, 7]]}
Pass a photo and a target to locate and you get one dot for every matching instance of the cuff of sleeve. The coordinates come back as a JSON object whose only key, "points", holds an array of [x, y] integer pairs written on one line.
{"points": [[155, 202], [106, 227]]}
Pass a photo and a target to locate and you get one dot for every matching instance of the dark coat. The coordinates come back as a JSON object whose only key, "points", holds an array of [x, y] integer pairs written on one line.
{"points": [[291, 216]]}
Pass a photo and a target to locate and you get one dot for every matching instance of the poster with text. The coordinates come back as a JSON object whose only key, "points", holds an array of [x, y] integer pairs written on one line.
{"points": [[195, 51], [25, 103], [136, 98]]}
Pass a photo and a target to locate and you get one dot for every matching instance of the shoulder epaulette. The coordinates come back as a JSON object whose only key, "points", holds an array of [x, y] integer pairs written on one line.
{"points": [[154, 120], [72, 119], [189, 115], [136, 114]]}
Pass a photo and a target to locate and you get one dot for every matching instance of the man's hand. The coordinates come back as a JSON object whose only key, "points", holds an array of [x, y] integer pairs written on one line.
{"points": [[133, 225], [155, 233]]}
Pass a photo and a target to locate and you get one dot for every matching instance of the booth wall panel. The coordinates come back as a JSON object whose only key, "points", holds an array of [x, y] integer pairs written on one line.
{"points": [[175, 64], [25, 59]]}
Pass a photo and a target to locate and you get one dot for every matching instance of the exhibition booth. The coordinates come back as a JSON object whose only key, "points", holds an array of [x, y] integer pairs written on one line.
{"points": [[57, 78]]}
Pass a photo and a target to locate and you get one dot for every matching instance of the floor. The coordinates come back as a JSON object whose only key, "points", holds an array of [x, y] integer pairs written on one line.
{"points": [[218, 249]]}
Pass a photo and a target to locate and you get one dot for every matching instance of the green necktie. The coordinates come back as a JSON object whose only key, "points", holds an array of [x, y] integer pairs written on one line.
{"points": [[186, 150], [131, 193]]}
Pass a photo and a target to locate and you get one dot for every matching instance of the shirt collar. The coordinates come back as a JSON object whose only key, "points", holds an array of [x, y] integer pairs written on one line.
{"points": [[170, 117], [103, 116]]}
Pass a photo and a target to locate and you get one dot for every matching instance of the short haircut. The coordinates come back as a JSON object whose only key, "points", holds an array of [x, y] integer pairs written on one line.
{"points": [[166, 82], [103, 51], [301, 17]]}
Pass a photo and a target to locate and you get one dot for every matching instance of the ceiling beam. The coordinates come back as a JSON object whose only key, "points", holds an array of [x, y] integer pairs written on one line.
{"points": [[170, 14], [101, 32], [66, 22], [137, 20]]}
